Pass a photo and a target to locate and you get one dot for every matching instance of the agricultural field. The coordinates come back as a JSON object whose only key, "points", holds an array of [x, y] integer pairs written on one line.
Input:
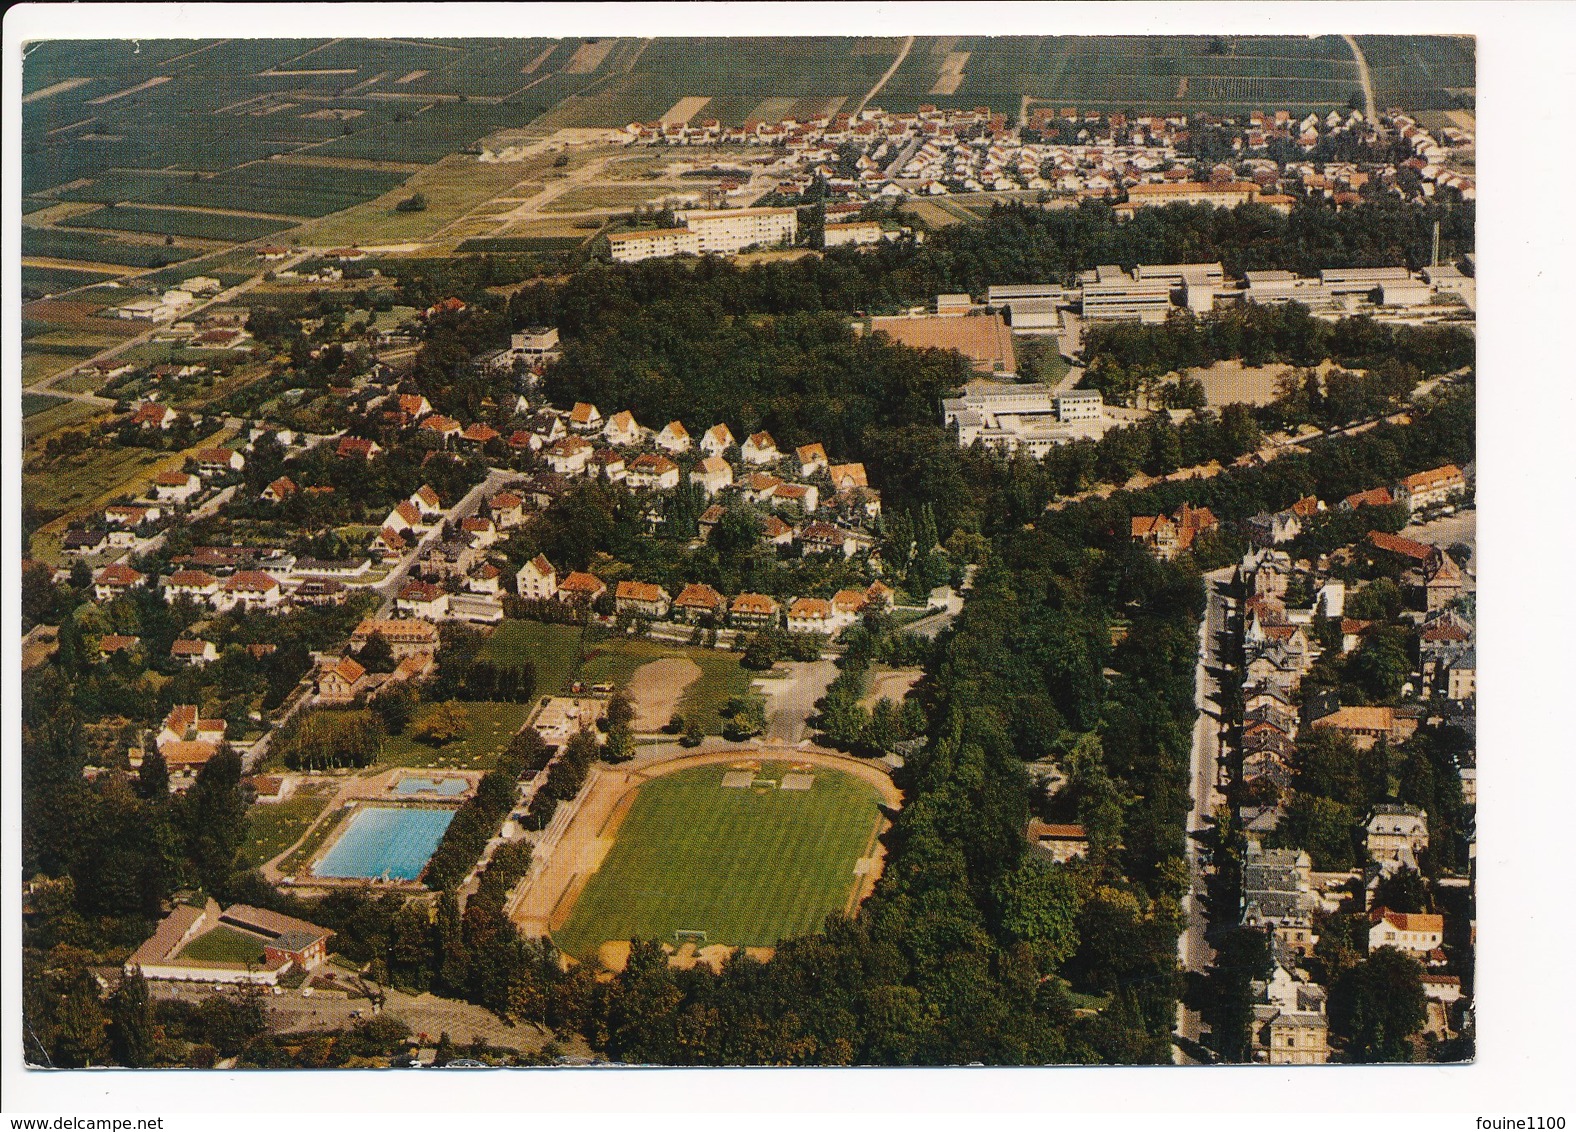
{"points": [[617, 197], [180, 222], [37, 366], [748, 866], [1436, 73], [92, 247], [553, 649], [489, 728], [1220, 73], [33, 403]]}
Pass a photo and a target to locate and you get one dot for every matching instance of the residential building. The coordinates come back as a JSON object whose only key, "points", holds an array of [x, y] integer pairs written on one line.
{"points": [[1219, 194], [812, 459], [717, 440], [847, 477], [760, 449], [1057, 842], [641, 599], [405, 637], [280, 490], [713, 474], [810, 615], [424, 600], [113, 581], [1435, 486], [568, 457], [621, 431], [584, 417], [652, 471], [341, 682], [1168, 536], [1277, 894], [581, 588], [507, 510], [175, 487], [1367, 725], [198, 585], [823, 538], [536, 580], [1419, 934], [248, 591], [698, 601], [752, 611], [219, 461], [357, 448], [193, 653], [674, 438], [1396, 834]]}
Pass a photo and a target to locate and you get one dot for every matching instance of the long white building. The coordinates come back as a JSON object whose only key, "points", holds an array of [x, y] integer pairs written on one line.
{"points": [[1027, 417], [709, 231]]}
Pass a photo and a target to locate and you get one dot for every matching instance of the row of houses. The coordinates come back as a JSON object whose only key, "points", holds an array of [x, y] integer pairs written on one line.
{"points": [[698, 603]]}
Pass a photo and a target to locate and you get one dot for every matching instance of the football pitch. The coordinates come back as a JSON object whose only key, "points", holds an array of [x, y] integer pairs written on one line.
{"points": [[747, 864]]}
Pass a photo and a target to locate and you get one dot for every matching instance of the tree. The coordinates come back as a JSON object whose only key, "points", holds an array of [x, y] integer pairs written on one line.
{"points": [[743, 717], [416, 202], [215, 819], [445, 723], [132, 1031], [620, 710], [153, 776], [376, 655], [1377, 1007], [1039, 907], [395, 706]]}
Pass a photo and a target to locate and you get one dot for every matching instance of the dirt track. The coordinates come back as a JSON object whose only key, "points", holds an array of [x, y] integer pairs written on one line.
{"points": [[544, 904], [657, 688]]}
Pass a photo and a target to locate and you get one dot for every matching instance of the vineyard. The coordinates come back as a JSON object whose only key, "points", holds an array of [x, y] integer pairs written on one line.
{"points": [[174, 222], [62, 243]]}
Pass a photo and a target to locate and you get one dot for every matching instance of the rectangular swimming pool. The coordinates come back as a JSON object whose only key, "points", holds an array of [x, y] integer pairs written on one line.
{"points": [[385, 841], [447, 787]]}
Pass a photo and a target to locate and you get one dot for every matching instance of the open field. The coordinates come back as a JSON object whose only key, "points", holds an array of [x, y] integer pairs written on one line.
{"points": [[1418, 73], [95, 247], [748, 866], [453, 187], [180, 222], [1230, 381], [37, 366], [721, 678], [553, 649], [490, 727], [616, 196], [39, 402], [273, 827], [56, 417]]}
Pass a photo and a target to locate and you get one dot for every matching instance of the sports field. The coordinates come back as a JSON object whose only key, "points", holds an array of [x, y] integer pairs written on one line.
{"points": [[748, 865]]}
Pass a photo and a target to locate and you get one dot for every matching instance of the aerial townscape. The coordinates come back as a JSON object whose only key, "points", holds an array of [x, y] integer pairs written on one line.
{"points": [[851, 551]]}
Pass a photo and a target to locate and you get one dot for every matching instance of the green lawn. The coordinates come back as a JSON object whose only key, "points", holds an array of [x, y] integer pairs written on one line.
{"points": [[721, 678], [225, 945], [273, 827], [491, 727], [554, 649], [747, 866]]}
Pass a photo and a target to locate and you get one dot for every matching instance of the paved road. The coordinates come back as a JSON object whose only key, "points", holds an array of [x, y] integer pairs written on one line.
{"points": [[1192, 947], [389, 587], [1370, 108], [792, 698]]}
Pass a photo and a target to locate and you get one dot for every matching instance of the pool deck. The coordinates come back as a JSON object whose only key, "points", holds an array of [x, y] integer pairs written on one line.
{"points": [[381, 788]]}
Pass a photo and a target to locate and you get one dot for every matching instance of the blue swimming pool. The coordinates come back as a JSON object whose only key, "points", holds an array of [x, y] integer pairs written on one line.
{"points": [[447, 787], [385, 841]]}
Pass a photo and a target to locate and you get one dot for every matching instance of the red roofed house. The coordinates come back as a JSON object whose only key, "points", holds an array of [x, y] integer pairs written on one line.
{"points": [[584, 417], [218, 461], [151, 414], [508, 510], [279, 489], [199, 585], [1416, 933], [674, 438], [717, 440], [357, 448], [194, 653], [812, 459], [1425, 489], [423, 599], [1420, 554], [445, 428], [581, 587], [810, 615], [752, 611], [713, 474], [536, 580], [248, 590], [760, 449], [175, 487], [113, 643], [1058, 843], [697, 601], [820, 538], [389, 543], [341, 682], [652, 471], [1373, 497], [776, 532], [641, 599], [479, 434], [846, 477], [114, 580], [621, 430]]}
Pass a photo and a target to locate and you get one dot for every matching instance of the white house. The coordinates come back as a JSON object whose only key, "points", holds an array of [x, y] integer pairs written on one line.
{"points": [[717, 440], [536, 580], [713, 474], [621, 430], [1417, 933], [674, 439], [652, 471], [175, 487], [248, 590], [568, 456], [424, 600], [811, 615], [760, 449]]}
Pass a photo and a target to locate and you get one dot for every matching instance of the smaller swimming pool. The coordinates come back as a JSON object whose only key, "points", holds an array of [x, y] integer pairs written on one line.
{"points": [[392, 842], [446, 787]]}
